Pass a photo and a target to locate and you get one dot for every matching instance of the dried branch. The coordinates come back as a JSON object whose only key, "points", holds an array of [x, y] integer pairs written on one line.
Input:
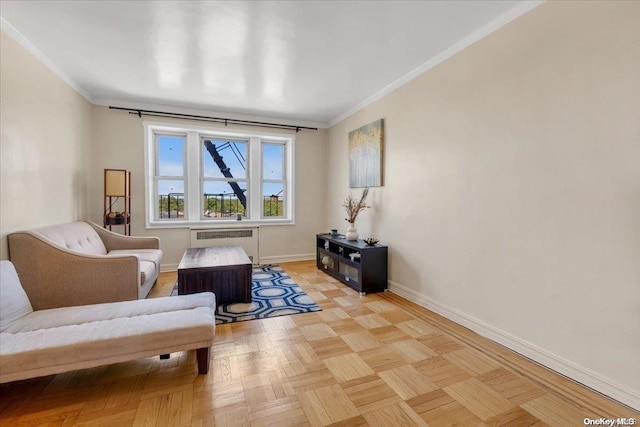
{"points": [[354, 207]]}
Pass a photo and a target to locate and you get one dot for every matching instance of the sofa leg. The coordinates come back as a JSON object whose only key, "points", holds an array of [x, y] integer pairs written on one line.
{"points": [[203, 355], [164, 356]]}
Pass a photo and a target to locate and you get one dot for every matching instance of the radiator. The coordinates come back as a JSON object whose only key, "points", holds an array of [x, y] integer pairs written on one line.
{"points": [[247, 238]]}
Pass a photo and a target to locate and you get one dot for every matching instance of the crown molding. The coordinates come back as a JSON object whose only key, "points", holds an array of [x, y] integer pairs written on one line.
{"points": [[12, 32]]}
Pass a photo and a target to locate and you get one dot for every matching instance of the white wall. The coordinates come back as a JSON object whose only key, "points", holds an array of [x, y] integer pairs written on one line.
{"points": [[511, 199], [45, 137], [119, 144]]}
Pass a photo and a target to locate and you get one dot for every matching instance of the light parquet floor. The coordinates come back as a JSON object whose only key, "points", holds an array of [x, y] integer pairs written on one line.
{"points": [[374, 360]]}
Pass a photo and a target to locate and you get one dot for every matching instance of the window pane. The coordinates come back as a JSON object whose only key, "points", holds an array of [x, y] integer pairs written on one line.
{"points": [[272, 161], [170, 199], [170, 155], [223, 199], [273, 199], [224, 158]]}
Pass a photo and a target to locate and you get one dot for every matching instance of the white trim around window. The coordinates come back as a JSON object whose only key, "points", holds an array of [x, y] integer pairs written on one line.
{"points": [[190, 210]]}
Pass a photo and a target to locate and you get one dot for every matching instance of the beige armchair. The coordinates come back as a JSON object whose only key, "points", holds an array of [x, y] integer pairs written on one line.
{"points": [[81, 263]]}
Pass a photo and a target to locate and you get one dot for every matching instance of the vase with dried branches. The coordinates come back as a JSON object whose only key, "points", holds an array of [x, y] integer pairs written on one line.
{"points": [[354, 207]]}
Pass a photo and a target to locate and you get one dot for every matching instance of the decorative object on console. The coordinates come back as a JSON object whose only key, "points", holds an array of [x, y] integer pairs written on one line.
{"points": [[365, 155], [352, 232], [354, 207], [371, 241]]}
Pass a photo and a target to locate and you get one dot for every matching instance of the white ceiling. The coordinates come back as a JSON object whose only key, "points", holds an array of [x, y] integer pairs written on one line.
{"points": [[313, 62]]}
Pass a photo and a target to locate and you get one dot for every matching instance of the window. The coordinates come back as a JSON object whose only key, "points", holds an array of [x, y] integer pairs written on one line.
{"points": [[273, 179], [224, 178], [169, 177], [198, 176]]}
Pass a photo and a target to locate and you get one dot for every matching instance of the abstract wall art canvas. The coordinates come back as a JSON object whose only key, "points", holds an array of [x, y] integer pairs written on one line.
{"points": [[365, 155]]}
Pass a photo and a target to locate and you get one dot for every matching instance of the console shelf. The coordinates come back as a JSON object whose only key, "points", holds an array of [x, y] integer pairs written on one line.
{"points": [[353, 262]]}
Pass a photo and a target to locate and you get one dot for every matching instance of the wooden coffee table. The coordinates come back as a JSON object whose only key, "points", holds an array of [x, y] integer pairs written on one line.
{"points": [[223, 270]]}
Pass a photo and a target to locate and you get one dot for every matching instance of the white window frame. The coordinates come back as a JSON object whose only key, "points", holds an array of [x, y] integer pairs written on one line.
{"points": [[156, 177], [194, 176], [283, 181], [246, 179]]}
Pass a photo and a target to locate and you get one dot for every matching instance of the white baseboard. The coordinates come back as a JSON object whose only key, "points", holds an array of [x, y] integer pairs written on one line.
{"points": [[554, 362], [286, 258], [168, 267]]}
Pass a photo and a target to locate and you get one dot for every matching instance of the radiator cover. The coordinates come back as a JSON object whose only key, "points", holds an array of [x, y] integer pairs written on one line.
{"points": [[247, 238]]}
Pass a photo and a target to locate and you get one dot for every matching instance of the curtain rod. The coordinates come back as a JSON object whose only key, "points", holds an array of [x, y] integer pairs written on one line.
{"points": [[226, 122]]}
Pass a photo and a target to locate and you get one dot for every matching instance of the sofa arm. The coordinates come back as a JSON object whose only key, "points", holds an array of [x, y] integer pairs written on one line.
{"points": [[62, 278], [115, 241]]}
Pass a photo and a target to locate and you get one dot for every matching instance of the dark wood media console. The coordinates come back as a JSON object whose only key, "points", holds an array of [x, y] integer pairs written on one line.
{"points": [[353, 262]]}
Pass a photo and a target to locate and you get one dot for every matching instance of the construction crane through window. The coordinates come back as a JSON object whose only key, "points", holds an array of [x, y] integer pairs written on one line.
{"points": [[217, 158]]}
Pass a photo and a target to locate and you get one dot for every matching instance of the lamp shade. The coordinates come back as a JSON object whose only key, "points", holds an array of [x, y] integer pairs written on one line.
{"points": [[116, 182]]}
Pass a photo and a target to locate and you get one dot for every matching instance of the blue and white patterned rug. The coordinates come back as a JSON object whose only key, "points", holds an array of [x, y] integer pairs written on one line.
{"points": [[273, 293]]}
